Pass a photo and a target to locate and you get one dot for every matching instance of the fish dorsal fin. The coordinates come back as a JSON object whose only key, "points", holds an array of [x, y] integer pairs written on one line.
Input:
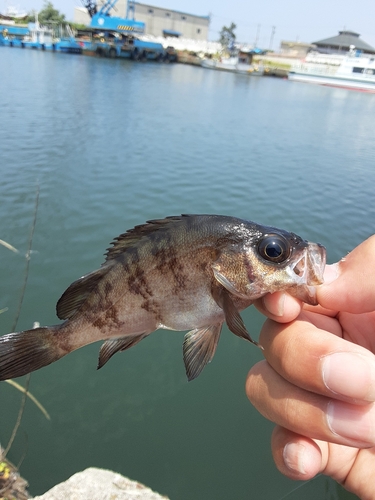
{"points": [[133, 236], [233, 318], [75, 295], [110, 347], [199, 349]]}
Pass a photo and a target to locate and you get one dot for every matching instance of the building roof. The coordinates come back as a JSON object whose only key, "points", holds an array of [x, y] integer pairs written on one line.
{"points": [[165, 8], [344, 40]]}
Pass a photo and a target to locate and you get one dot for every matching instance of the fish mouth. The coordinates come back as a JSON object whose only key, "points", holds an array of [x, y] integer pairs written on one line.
{"points": [[310, 266], [308, 271]]}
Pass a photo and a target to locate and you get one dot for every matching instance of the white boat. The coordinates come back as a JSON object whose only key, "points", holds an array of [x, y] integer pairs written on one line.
{"points": [[353, 71], [241, 63]]}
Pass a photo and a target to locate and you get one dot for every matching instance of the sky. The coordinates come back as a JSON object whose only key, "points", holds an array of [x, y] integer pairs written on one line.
{"points": [[305, 21]]}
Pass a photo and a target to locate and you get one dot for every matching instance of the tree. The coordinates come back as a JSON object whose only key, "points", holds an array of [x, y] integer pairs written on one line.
{"points": [[50, 15], [227, 36]]}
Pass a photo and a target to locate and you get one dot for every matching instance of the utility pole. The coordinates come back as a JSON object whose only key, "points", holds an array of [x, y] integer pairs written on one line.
{"points": [[257, 36], [272, 35]]}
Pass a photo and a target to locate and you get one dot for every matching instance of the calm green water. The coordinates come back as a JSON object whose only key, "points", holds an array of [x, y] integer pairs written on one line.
{"points": [[111, 144]]}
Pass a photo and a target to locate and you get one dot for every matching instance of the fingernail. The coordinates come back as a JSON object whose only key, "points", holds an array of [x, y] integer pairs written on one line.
{"points": [[294, 457], [352, 422], [280, 305], [350, 374], [331, 273]]}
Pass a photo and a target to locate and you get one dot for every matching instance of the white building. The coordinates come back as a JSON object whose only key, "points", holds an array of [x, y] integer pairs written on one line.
{"points": [[159, 21]]}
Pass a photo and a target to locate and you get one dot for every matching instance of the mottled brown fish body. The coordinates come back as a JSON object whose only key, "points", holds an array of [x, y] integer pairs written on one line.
{"points": [[189, 272]]}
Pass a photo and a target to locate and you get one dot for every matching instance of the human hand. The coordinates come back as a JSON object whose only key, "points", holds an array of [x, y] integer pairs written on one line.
{"points": [[318, 381]]}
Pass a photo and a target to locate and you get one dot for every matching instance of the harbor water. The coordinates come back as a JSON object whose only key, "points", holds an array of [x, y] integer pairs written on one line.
{"points": [[112, 143]]}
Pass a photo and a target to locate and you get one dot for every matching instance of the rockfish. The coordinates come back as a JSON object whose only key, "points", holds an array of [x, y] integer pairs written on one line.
{"points": [[190, 272]]}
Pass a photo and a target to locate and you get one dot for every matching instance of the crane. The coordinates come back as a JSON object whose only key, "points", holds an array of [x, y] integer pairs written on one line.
{"points": [[90, 6], [102, 20], [117, 37]]}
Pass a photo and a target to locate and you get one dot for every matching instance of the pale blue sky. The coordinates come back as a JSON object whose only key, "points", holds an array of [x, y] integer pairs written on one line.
{"points": [[293, 19]]}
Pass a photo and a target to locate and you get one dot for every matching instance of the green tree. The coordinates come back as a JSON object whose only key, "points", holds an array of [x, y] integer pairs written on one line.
{"points": [[227, 35], [50, 15]]}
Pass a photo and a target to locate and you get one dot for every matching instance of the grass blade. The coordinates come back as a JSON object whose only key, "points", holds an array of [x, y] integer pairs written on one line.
{"points": [[28, 394]]}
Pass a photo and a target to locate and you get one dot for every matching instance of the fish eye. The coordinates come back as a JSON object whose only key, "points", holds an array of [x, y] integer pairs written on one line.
{"points": [[274, 248]]}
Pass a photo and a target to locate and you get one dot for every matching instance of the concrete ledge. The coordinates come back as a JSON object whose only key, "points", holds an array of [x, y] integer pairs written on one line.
{"points": [[99, 484]]}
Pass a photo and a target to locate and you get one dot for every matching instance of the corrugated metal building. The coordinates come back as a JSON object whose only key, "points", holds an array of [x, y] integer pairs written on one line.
{"points": [[159, 21]]}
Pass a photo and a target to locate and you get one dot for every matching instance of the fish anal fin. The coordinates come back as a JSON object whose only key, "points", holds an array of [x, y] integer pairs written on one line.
{"points": [[233, 318], [110, 347], [199, 348], [77, 293]]}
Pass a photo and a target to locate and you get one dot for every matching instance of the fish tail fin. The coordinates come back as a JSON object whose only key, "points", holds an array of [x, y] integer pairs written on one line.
{"points": [[27, 351]]}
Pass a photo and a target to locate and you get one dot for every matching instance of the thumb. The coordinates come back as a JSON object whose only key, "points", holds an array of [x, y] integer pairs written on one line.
{"points": [[350, 283]]}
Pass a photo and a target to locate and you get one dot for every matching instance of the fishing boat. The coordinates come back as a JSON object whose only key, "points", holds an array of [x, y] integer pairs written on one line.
{"points": [[36, 36], [239, 63], [353, 71]]}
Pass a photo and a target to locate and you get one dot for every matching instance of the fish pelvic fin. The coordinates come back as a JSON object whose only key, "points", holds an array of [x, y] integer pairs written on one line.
{"points": [[110, 347], [199, 348], [27, 351], [233, 318]]}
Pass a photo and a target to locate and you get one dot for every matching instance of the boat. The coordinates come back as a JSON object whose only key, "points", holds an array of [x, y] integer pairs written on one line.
{"points": [[352, 71], [35, 36], [239, 63]]}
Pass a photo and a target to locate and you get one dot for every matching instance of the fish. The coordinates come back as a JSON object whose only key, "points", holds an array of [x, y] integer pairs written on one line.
{"points": [[188, 272]]}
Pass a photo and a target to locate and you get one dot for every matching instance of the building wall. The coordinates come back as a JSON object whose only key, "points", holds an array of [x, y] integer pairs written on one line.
{"points": [[295, 49], [157, 19], [81, 16]]}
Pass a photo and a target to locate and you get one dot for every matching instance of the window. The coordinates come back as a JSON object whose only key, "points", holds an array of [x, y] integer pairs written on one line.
{"points": [[198, 30], [183, 18], [168, 14], [150, 11], [357, 70]]}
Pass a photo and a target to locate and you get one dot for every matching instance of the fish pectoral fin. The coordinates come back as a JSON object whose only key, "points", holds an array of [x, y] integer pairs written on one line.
{"points": [[77, 293], [224, 281], [233, 318], [199, 348], [110, 347], [223, 269]]}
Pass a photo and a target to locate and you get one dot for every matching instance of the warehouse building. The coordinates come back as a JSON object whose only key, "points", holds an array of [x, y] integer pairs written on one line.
{"points": [[159, 21]]}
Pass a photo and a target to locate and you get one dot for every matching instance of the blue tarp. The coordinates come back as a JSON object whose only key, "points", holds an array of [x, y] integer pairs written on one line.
{"points": [[14, 30], [171, 33]]}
